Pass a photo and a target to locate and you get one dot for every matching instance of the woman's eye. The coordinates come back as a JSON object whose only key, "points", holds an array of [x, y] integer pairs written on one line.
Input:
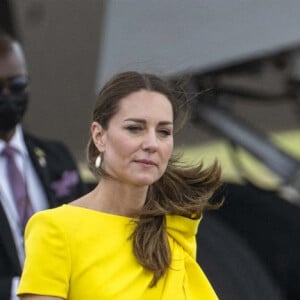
{"points": [[134, 128], [165, 132]]}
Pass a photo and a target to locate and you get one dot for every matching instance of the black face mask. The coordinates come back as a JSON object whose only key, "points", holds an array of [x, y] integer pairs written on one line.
{"points": [[12, 109]]}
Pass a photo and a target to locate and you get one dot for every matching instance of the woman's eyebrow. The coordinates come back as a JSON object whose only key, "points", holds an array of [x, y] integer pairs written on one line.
{"points": [[142, 121]]}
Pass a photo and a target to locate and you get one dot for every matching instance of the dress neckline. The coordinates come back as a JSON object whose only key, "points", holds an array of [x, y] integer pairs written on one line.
{"points": [[94, 211]]}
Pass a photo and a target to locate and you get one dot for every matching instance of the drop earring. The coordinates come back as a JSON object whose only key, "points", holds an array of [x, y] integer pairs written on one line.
{"points": [[98, 161]]}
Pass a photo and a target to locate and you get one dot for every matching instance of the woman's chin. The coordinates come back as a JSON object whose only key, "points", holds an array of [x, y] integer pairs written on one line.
{"points": [[144, 181]]}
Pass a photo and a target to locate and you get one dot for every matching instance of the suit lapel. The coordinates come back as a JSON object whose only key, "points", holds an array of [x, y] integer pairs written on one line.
{"points": [[39, 164]]}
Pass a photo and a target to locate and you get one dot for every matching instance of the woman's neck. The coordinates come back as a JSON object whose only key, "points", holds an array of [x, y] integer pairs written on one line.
{"points": [[116, 198]]}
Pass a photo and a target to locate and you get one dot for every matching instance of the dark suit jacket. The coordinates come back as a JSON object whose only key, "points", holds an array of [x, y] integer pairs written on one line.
{"points": [[59, 176]]}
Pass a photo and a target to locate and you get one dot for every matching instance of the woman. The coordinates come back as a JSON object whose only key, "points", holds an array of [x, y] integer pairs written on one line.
{"points": [[133, 236]]}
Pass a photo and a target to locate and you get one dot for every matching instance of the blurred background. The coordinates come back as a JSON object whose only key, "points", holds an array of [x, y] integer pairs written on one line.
{"points": [[242, 61]]}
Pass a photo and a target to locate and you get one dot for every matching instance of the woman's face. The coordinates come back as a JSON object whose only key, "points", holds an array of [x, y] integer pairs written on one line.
{"points": [[138, 142]]}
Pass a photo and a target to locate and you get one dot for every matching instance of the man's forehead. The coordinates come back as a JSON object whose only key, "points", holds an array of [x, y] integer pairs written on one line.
{"points": [[13, 63]]}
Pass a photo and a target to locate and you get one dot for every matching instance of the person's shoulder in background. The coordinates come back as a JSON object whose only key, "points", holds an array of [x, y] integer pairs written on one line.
{"points": [[56, 167]]}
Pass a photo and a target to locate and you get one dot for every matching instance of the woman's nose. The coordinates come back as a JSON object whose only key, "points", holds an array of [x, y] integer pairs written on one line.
{"points": [[150, 142]]}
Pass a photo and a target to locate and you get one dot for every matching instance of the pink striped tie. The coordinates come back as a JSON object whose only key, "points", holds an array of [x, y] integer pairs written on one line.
{"points": [[18, 187]]}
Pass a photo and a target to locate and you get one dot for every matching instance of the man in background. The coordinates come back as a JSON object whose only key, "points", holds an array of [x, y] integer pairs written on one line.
{"points": [[35, 174]]}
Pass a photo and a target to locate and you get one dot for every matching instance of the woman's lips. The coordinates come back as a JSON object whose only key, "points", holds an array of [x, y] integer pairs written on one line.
{"points": [[146, 162]]}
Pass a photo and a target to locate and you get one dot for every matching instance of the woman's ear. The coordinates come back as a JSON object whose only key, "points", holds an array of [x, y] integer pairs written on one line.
{"points": [[99, 136]]}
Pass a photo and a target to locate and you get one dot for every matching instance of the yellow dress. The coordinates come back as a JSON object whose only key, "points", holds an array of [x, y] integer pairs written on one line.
{"points": [[77, 253]]}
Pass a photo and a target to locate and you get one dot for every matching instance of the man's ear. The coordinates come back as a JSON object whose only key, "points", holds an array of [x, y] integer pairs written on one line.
{"points": [[99, 136]]}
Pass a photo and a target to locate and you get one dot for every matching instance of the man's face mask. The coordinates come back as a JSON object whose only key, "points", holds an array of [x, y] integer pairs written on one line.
{"points": [[13, 104]]}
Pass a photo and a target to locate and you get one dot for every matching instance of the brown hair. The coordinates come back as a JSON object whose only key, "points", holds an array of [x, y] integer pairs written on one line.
{"points": [[182, 190]]}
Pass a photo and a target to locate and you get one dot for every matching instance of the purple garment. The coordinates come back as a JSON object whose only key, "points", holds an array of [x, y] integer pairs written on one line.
{"points": [[18, 187], [64, 185]]}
